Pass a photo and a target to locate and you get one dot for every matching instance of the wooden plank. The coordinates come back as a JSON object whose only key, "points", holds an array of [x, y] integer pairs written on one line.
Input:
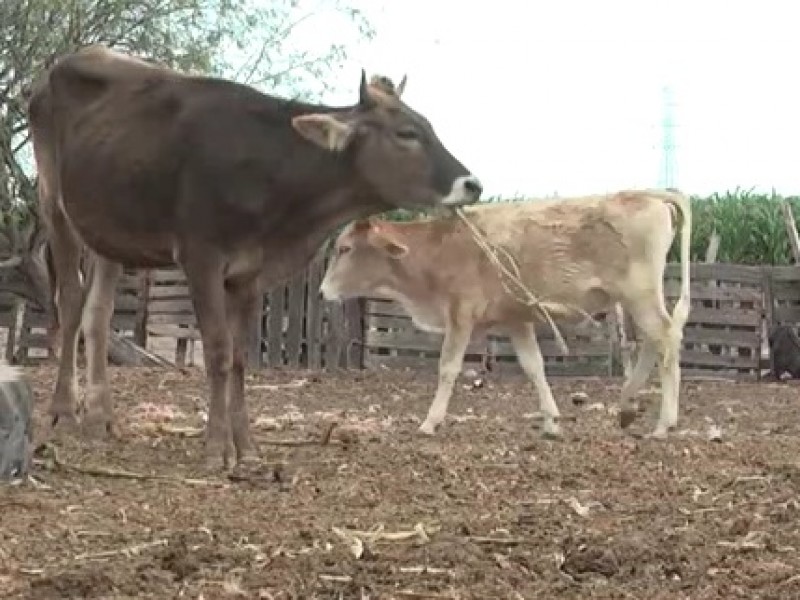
{"points": [[168, 292], [9, 320], [333, 339], [314, 313], [412, 339], [786, 291], [372, 321], [549, 348], [353, 356], [140, 326], [784, 274], [721, 337], [274, 334], [384, 307], [255, 335], [702, 291], [174, 331], [785, 315], [175, 275], [431, 365], [170, 306], [294, 330], [717, 271], [727, 316], [171, 319], [695, 358]]}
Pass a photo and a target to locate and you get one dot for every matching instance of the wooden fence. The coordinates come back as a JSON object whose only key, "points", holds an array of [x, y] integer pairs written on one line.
{"points": [[732, 308]]}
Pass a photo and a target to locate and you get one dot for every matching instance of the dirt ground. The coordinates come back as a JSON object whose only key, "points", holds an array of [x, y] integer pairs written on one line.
{"points": [[486, 509]]}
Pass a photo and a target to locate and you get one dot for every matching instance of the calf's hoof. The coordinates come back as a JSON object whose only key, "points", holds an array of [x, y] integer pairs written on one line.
{"points": [[661, 432], [428, 428], [551, 431]]}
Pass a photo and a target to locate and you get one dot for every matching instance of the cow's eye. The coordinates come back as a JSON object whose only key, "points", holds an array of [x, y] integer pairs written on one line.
{"points": [[408, 134], [343, 250]]}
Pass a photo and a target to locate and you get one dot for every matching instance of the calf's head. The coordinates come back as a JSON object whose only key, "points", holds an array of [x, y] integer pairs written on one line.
{"points": [[396, 154], [367, 259]]}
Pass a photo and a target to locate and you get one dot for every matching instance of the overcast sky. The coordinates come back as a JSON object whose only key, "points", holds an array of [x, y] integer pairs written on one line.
{"points": [[565, 96]]}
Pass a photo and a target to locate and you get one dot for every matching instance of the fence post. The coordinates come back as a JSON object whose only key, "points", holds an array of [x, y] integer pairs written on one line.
{"points": [[255, 335], [143, 301]]}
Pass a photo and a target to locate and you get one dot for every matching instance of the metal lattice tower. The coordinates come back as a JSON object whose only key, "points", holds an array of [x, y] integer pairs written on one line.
{"points": [[668, 176]]}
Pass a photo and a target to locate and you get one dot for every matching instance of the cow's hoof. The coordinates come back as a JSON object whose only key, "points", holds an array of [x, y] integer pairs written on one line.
{"points": [[99, 426], [626, 417], [248, 459], [217, 456], [64, 423]]}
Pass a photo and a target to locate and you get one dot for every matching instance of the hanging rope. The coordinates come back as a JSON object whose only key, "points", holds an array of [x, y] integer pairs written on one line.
{"points": [[523, 295]]}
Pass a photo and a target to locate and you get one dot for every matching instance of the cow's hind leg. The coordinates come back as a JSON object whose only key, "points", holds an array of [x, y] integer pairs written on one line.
{"points": [[456, 340], [66, 248], [204, 273], [532, 362], [656, 325], [97, 313], [243, 301]]}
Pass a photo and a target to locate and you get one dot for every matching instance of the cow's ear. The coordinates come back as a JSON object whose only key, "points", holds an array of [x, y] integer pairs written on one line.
{"points": [[362, 225], [325, 130]]}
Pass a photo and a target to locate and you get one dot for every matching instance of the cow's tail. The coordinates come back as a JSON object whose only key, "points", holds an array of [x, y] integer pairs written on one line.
{"points": [[680, 314]]}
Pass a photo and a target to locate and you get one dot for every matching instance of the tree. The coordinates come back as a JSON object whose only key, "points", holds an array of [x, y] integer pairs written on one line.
{"points": [[252, 41]]}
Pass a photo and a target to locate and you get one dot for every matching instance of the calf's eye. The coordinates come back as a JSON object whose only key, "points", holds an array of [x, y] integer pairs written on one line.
{"points": [[344, 250]]}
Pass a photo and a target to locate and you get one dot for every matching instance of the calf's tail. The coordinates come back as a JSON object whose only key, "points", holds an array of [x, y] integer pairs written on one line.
{"points": [[680, 314]]}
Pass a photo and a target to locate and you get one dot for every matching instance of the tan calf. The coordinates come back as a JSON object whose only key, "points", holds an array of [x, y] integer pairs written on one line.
{"points": [[585, 254]]}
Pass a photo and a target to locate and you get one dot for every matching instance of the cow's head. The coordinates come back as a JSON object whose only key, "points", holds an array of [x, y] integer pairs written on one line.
{"points": [[396, 154], [366, 260]]}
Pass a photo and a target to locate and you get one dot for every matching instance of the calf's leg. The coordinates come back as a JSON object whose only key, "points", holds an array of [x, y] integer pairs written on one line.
{"points": [[243, 302], [204, 273], [456, 340], [530, 358], [638, 377], [97, 313], [656, 325]]}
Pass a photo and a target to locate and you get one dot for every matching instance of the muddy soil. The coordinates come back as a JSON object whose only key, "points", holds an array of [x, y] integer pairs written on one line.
{"points": [[486, 509]]}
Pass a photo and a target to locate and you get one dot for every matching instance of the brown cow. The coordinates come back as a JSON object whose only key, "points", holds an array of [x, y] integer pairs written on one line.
{"points": [[579, 255], [148, 167]]}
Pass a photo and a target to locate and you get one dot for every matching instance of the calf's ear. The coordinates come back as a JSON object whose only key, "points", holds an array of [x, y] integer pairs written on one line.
{"points": [[393, 248], [325, 130]]}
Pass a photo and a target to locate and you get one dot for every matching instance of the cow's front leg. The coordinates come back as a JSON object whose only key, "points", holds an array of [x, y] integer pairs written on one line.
{"points": [[97, 312], [244, 303], [204, 273], [456, 340]]}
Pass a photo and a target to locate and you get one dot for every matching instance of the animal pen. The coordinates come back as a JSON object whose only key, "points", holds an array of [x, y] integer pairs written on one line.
{"points": [[733, 306]]}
